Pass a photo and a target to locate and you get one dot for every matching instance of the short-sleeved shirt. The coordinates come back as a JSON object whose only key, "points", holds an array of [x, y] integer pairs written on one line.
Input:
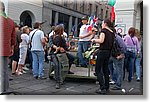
{"points": [[108, 41], [36, 40], [84, 31], [25, 40]]}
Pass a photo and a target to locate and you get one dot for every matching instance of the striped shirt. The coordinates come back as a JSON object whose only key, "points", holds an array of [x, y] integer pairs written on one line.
{"points": [[7, 34]]}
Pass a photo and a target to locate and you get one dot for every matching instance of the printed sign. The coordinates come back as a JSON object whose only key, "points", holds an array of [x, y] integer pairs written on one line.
{"points": [[121, 28]]}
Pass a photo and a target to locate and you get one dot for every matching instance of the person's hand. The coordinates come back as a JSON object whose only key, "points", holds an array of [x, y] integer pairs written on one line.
{"points": [[12, 50], [90, 32], [57, 49], [46, 39], [93, 40], [62, 50], [120, 56], [138, 55]]}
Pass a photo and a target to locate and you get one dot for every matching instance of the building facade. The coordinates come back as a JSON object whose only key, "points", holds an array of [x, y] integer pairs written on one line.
{"points": [[68, 12], [129, 13], [25, 12]]}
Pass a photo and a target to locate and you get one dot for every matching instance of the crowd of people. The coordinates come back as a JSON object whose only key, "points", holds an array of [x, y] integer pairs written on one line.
{"points": [[20, 43]]}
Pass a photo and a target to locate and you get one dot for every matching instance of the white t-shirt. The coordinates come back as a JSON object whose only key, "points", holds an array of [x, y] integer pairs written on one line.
{"points": [[36, 40], [65, 34], [84, 31], [52, 33], [25, 40]]}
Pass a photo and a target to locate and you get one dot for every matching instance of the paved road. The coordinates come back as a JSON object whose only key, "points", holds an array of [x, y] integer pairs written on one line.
{"points": [[26, 85]]}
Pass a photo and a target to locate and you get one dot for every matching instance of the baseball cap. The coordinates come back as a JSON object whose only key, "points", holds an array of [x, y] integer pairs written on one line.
{"points": [[16, 25], [85, 18]]}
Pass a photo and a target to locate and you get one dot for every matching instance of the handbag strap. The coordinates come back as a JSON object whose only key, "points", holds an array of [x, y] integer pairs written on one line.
{"points": [[33, 35], [32, 38], [132, 41]]}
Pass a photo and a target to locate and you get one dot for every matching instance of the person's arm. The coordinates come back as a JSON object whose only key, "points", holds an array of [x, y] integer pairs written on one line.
{"points": [[51, 45], [137, 45], [13, 39], [100, 40], [66, 47], [43, 38], [27, 40], [86, 35]]}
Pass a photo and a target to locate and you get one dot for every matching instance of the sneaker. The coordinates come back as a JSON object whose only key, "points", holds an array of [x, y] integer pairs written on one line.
{"points": [[42, 78], [112, 82], [99, 91], [10, 79], [138, 79], [36, 77], [95, 74], [6, 93], [24, 72], [69, 72], [13, 73], [85, 66], [19, 73], [25, 68], [115, 88], [57, 86]]}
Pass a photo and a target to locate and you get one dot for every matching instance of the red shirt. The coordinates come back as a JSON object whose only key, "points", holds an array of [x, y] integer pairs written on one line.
{"points": [[8, 36]]}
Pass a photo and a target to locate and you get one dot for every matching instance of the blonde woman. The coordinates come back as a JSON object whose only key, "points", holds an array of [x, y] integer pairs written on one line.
{"points": [[23, 49]]}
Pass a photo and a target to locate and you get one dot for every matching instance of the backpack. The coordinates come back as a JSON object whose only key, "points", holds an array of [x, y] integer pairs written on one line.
{"points": [[116, 49]]}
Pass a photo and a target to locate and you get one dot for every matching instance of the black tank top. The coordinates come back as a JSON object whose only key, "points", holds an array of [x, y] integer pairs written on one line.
{"points": [[108, 41]]}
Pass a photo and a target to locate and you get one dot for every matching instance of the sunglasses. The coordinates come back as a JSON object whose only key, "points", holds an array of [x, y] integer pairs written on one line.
{"points": [[95, 31]]}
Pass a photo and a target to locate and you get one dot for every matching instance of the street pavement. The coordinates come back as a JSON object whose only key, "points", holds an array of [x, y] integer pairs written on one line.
{"points": [[25, 84]]}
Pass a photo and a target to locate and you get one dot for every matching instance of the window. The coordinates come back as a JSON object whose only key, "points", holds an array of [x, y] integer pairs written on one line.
{"points": [[64, 19], [83, 7], [73, 21], [53, 18], [101, 14], [75, 5], [90, 9], [110, 15], [65, 3], [96, 12], [106, 15]]}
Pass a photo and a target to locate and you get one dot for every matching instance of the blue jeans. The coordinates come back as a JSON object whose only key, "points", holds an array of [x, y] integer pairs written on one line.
{"points": [[82, 47], [38, 63], [129, 63], [118, 67], [138, 67], [112, 70]]}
